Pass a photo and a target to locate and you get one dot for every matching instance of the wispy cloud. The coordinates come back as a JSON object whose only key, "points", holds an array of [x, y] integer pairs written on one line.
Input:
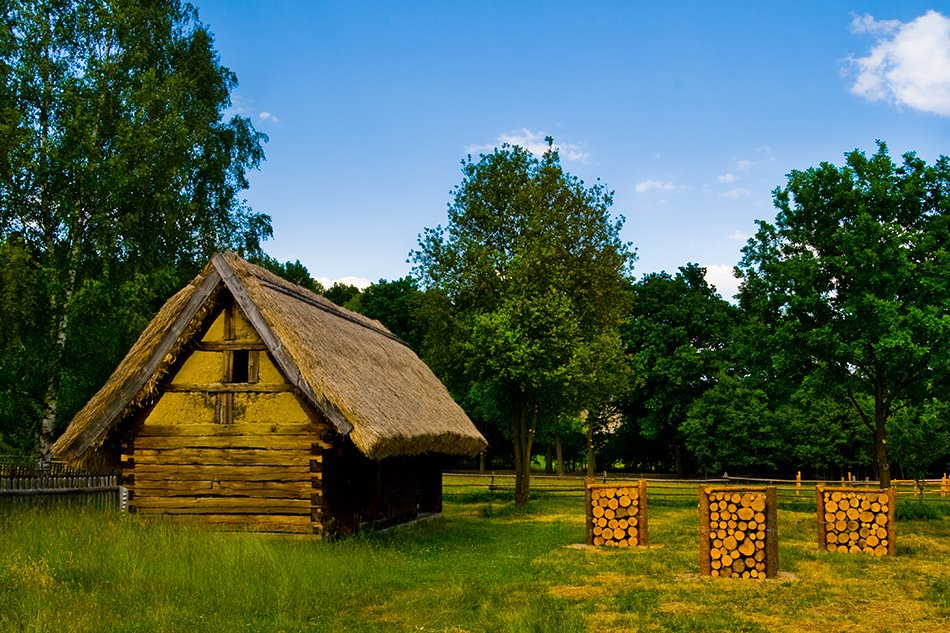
{"points": [[360, 282], [723, 278], [728, 177], [535, 143], [909, 64], [267, 116], [739, 236], [654, 185], [736, 193]]}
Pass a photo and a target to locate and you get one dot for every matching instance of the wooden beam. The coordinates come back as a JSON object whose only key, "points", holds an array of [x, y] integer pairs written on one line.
{"points": [[201, 505], [214, 346], [293, 442], [304, 430], [223, 387], [180, 472], [223, 457]]}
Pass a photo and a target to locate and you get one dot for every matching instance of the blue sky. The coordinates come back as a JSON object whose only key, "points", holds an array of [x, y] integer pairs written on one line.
{"points": [[693, 112]]}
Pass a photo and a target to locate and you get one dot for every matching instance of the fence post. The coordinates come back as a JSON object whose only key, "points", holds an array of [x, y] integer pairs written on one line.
{"points": [[798, 484]]}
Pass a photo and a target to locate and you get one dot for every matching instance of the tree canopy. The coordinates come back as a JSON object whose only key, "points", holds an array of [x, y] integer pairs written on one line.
{"points": [[119, 174], [676, 334], [851, 283], [528, 281]]}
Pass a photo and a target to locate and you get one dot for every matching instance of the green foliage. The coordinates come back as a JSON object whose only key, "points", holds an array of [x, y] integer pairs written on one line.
{"points": [[920, 438], [850, 283], [342, 294], [524, 294], [119, 176], [294, 272], [395, 304], [914, 510], [733, 428], [676, 334]]}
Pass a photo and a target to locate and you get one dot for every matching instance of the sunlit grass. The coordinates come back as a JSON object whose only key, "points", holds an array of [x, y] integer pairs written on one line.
{"points": [[485, 566]]}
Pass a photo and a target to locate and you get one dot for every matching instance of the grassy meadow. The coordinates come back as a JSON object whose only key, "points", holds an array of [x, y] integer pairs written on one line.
{"points": [[481, 567]]}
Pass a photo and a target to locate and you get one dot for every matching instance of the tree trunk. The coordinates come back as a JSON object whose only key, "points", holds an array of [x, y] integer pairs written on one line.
{"points": [[591, 458], [881, 413], [678, 458], [548, 458], [481, 461], [523, 420], [60, 308], [880, 453], [559, 451]]}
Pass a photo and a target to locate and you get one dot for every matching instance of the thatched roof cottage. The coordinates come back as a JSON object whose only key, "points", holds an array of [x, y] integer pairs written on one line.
{"points": [[251, 401]]}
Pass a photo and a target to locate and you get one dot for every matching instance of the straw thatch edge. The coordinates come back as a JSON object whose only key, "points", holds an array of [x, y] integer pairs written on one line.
{"points": [[135, 381]]}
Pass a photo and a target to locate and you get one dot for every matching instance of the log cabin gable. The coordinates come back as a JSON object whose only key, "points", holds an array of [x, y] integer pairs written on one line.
{"points": [[227, 436]]}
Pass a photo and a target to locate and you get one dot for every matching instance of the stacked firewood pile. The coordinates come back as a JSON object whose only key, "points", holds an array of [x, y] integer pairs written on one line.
{"points": [[617, 514], [854, 520], [738, 532]]}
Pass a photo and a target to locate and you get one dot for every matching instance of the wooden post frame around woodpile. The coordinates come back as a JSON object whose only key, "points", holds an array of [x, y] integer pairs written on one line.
{"points": [[856, 520], [617, 514], [738, 532]]}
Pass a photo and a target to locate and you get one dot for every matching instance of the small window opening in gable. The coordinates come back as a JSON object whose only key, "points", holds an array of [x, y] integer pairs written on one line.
{"points": [[240, 365]]}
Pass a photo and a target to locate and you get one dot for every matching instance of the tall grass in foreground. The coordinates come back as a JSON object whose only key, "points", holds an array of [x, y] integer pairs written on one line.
{"points": [[484, 567]]}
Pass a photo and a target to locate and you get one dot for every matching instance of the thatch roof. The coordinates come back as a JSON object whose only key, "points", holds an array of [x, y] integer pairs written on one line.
{"points": [[352, 369]]}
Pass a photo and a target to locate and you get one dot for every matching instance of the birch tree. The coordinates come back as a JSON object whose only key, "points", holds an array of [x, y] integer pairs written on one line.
{"points": [[116, 150]]}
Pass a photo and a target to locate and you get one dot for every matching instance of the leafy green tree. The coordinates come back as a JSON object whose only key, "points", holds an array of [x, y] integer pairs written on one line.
{"points": [[676, 335], [851, 282], [733, 427], [117, 161], [294, 272], [528, 282], [342, 294], [394, 304], [920, 437]]}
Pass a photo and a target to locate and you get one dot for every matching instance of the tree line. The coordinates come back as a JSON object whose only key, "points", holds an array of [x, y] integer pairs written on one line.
{"points": [[121, 172]]}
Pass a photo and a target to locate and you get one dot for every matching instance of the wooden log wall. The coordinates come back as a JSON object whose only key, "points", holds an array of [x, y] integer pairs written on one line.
{"points": [[617, 514], [855, 520], [228, 441], [247, 476], [738, 532]]}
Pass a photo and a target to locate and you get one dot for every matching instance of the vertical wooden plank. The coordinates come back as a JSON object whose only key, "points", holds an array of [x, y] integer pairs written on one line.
{"points": [[771, 533], [253, 366], [820, 510], [705, 567], [590, 512], [891, 525], [229, 327], [316, 484], [642, 528]]}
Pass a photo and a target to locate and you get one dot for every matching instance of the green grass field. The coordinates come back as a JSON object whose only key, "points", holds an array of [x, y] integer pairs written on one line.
{"points": [[482, 567]]}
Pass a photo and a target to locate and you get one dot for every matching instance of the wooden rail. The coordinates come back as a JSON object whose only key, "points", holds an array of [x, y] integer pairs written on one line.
{"points": [[787, 490]]}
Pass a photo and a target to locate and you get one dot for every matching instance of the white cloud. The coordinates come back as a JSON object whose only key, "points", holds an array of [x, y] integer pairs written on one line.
{"points": [[728, 177], [736, 193], [267, 116], [654, 185], [360, 282], [909, 64], [739, 236], [535, 143], [722, 277]]}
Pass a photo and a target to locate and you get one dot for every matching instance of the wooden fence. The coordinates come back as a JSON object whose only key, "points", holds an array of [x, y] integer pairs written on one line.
{"points": [[789, 491], [58, 485]]}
